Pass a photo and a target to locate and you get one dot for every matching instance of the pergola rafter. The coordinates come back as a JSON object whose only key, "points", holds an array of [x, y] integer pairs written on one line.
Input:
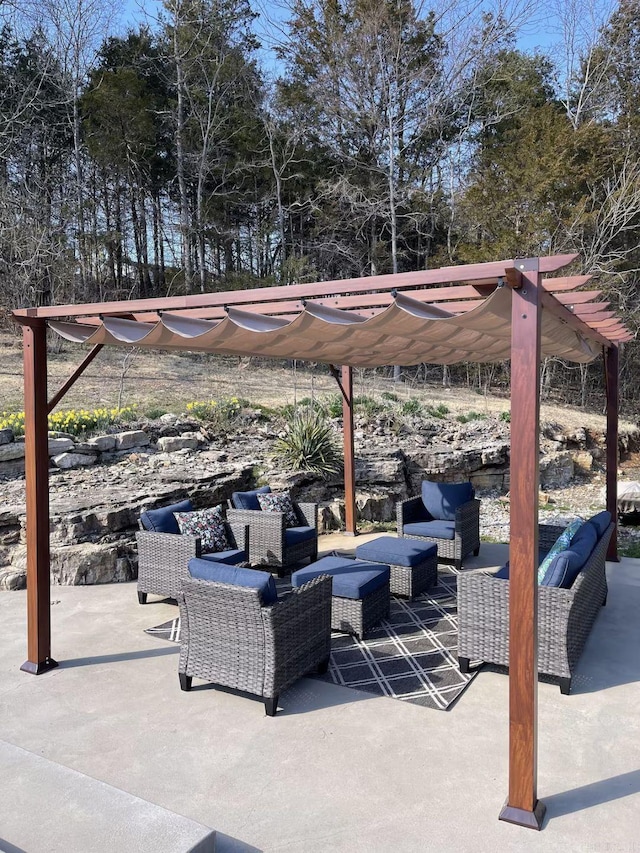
{"points": [[479, 312]]}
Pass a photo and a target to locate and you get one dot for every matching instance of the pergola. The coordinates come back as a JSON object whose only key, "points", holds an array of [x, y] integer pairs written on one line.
{"points": [[513, 309]]}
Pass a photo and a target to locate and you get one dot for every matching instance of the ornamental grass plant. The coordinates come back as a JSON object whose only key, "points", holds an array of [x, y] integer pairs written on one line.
{"points": [[308, 444]]}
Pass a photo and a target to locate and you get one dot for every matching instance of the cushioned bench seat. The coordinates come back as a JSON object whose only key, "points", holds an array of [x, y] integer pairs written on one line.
{"points": [[413, 564], [360, 591]]}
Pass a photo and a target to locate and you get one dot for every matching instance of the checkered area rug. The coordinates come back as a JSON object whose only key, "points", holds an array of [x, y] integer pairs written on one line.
{"points": [[411, 656]]}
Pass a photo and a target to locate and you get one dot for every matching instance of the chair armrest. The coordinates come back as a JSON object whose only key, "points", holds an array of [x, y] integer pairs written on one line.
{"points": [[297, 633], [309, 513], [466, 511], [240, 533], [410, 510], [167, 547]]}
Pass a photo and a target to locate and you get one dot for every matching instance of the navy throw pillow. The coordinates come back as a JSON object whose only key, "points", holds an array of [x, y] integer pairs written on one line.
{"points": [[163, 520], [248, 500], [601, 522], [442, 499]]}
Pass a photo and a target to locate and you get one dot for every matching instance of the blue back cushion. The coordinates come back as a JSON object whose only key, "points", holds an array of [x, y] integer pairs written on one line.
{"points": [[163, 520], [207, 570], [601, 522], [248, 500], [566, 566], [442, 499]]}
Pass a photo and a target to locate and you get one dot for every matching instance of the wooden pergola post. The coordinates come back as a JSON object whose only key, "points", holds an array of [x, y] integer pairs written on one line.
{"points": [[611, 383], [349, 456], [37, 498], [522, 806]]}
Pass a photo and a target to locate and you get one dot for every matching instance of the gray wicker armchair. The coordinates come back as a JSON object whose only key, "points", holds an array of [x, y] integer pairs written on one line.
{"points": [[565, 616], [456, 531], [271, 543], [229, 638], [163, 557]]}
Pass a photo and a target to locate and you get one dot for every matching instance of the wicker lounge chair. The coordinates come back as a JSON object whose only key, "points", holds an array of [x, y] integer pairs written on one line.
{"points": [[163, 556], [565, 616], [271, 543], [229, 638], [452, 520]]}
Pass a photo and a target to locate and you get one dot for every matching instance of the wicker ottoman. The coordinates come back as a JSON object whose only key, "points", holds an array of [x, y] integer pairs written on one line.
{"points": [[360, 592], [414, 564]]}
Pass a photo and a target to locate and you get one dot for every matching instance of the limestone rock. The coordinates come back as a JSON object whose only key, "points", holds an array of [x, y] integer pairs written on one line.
{"points": [[582, 461], [59, 445], [170, 444], [11, 579], [102, 442], [9, 452], [556, 469], [130, 439], [74, 460], [87, 563]]}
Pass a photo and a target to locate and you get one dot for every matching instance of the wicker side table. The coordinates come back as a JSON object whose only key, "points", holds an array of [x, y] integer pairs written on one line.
{"points": [[413, 564], [360, 595]]}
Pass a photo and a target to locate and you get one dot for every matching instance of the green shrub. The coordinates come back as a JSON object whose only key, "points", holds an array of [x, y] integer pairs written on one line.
{"points": [[471, 416], [333, 406], [309, 444], [368, 405], [439, 411], [154, 412], [411, 407], [389, 395], [505, 416]]}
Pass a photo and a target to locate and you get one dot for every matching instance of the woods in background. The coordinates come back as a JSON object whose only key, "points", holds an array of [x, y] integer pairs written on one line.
{"points": [[393, 135]]}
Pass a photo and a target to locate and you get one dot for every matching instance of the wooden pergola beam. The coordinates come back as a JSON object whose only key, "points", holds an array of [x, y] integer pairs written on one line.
{"points": [[611, 375], [480, 273], [522, 805], [34, 337]]}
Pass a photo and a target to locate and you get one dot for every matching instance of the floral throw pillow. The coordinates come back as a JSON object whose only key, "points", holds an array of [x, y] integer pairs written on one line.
{"points": [[561, 544], [209, 525], [279, 502]]}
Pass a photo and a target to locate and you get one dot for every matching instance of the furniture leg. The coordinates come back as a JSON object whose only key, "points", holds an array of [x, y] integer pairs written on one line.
{"points": [[463, 663], [271, 705], [185, 681], [323, 666], [565, 686], [142, 597]]}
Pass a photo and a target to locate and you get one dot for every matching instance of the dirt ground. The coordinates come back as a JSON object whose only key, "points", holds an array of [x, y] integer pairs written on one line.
{"points": [[170, 380]]}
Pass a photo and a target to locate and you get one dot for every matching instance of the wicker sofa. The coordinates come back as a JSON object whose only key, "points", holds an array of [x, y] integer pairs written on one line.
{"points": [[164, 552], [231, 638], [565, 616], [445, 513], [271, 542]]}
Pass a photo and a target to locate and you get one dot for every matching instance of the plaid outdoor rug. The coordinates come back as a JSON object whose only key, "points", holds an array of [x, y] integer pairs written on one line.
{"points": [[411, 656]]}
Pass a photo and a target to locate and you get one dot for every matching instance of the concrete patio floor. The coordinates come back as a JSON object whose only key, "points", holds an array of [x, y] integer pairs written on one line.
{"points": [[336, 769]]}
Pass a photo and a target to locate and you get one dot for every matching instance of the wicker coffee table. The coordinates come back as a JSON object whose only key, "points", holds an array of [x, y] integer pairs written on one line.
{"points": [[414, 564], [360, 591]]}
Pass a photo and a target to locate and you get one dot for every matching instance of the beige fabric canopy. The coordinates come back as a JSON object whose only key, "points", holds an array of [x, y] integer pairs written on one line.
{"points": [[406, 332]]}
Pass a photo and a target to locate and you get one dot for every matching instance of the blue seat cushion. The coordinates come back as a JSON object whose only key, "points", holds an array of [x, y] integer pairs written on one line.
{"points": [[503, 573], [231, 558], [163, 520], [207, 570], [442, 499], [432, 529], [601, 522], [397, 552], [295, 535], [248, 500], [566, 565], [351, 578]]}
